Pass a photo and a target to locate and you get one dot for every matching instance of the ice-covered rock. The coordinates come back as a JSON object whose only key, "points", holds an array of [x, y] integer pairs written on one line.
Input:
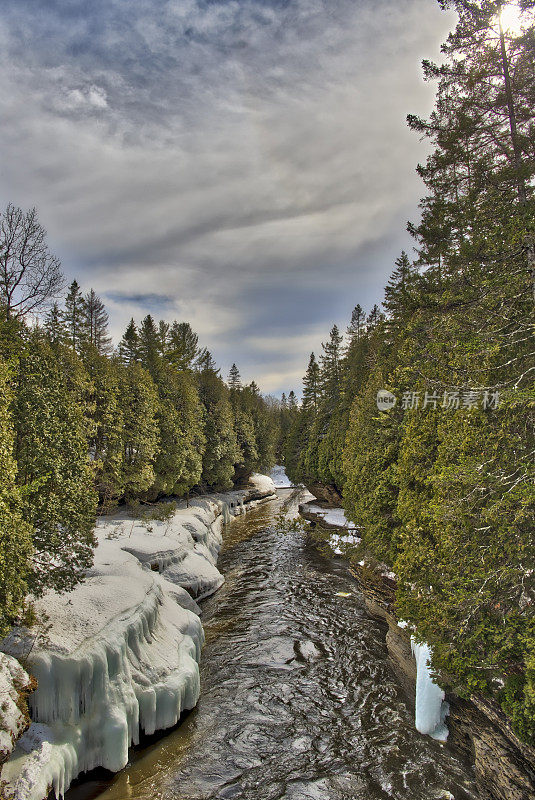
{"points": [[119, 655], [14, 683], [262, 484], [431, 708]]}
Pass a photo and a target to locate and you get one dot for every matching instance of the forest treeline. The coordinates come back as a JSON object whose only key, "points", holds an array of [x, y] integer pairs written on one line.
{"points": [[84, 426], [441, 484]]}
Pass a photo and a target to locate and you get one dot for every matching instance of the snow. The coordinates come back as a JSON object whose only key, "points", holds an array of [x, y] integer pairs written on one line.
{"points": [[431, 708], [332, 516], [119, 654], [262, 483], [280, 478], [13, 679], [337, 542]]}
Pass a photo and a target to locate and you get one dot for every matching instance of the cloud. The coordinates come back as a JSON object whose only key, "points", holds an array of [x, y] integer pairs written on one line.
{"points": [[241, 164]]}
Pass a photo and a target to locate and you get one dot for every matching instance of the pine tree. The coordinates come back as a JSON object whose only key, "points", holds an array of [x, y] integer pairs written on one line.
{"points": [[74, 316], [354, 330], [234, 378], [149, 346], [54, 326], [373, 317], [184, 346], [163, 337], [311, 385], [96, 321], [128, 350], [331, 367], [205, 362], [397, 295]]}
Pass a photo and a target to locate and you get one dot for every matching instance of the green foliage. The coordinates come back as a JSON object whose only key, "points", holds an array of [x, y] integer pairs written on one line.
{"points": [[105, 438], [221, 452], [370, 461], [138, 403], [15, 533], [178, 465], [446, 495], [58, 499]]}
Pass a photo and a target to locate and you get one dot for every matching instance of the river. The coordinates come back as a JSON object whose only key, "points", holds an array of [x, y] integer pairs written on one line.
{"points": [[298, 700]]}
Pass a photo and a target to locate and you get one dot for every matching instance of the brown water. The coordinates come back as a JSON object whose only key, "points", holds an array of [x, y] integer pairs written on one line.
{"points": [[298, 700]]}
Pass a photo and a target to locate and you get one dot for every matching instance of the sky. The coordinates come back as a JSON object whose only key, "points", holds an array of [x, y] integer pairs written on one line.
{"points": [[243, 165]]}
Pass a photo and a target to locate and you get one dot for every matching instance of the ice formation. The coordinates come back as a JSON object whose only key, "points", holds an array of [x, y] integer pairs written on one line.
{"points": [[280, 478], [13, 680], [119, 655], [431, 708]]}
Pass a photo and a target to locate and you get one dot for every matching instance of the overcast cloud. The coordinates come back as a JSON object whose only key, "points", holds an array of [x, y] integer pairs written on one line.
{"points": [[240, 164]]}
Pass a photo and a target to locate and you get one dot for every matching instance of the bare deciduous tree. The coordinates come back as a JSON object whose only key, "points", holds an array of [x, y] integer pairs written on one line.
{"points": [[30, 275]]}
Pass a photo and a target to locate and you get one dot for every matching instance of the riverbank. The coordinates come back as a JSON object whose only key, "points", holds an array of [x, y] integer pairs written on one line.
{"points": [[504, 765], [298, 700], [119, 655]]}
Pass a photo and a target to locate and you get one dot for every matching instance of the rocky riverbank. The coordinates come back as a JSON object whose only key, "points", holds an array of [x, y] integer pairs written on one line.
{"points": [[504, 766], [119, 655]]}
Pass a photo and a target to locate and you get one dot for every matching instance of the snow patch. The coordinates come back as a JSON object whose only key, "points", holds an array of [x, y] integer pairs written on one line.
{"points": [[340, 543], [431, 708]]}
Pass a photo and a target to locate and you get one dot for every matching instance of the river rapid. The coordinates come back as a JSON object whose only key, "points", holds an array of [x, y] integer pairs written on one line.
{"points": [[298, 700]]}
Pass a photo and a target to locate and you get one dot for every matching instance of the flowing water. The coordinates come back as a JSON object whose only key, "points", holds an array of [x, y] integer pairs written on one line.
{"points": [[298, 700]]}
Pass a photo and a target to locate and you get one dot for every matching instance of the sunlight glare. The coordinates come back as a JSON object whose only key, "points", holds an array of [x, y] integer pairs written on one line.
{"points": [[511, 19]]}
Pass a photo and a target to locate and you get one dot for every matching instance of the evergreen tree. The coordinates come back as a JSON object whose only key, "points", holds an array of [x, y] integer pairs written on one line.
{"points": [[331, 372], [54, 326], [15, 533], [128, 350], [373, 317], [397, 295], [163, 337], [205, 362], [105, 432], [234, 378], [96, 321], [138, 403], [178, 465], [311, 385], [51, 448], [354, 330], [221, 453], [184, 346], [149, 346], [74, 316]]}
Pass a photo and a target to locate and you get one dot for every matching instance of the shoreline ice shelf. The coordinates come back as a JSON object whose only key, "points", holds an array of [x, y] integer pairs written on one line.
{"points": [[119, 655]]}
